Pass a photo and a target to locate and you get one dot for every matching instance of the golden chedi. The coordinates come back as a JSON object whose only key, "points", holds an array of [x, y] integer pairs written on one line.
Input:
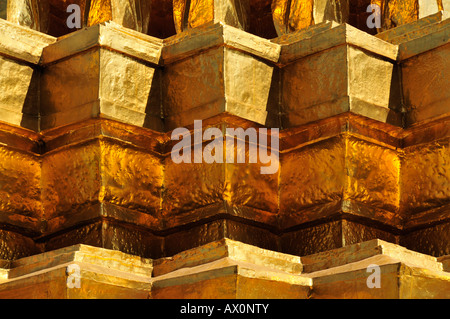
{"points": [[351, 97]]}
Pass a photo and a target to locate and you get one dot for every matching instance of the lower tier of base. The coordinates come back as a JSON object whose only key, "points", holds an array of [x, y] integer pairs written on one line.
{"points": [[228, 269]]}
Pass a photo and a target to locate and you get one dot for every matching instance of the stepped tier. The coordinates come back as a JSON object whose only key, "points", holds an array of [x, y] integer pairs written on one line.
{"points": [[357, 119]]}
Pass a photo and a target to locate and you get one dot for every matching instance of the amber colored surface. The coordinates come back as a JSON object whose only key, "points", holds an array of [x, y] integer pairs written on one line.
{"points": [[3, 6], [283, 16], [135, 184], [227, 269], [85, 142], [101, 11], [291, 16]]}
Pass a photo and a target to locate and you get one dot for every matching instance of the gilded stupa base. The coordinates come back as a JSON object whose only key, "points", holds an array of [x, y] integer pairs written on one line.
{"points": [[225, 269], [358, 123]]}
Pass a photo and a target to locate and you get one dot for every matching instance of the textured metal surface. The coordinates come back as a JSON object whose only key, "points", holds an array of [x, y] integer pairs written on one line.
{"points": [[32, 14], [19, 83], [286, 16], [353, 233], [133, 14], [291, 16], [430, 240], [317, 84], [71, 179], [3, 5], [313, 239], [20, 175], [19, 77], [426, 185], [192, 14], [131, 179], [363, 143], [229, 269], [322, 182], [373, 174], [144, 189], [434, 71], [50, 16], [78, 178], [100, 62], [226, 269], [14, 245], [243, 92]]}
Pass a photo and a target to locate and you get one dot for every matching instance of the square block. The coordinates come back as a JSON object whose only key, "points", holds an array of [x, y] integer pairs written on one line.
{"points": [[345, 174], [71, 179], [194, 191], [94, 272], [354, 253], [345, 273], [102, 71], [20, 189], [323, 181], [425, 82], [15, 245], [223, 284], [226, 248], [19, 75], [398, 280], [373, 174], [131, 178], [408, 31], [335, 71], [200, 78], [69, 85], [232, 270], [19, 80], [423, 59], [112, 259], [101, 176]]}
